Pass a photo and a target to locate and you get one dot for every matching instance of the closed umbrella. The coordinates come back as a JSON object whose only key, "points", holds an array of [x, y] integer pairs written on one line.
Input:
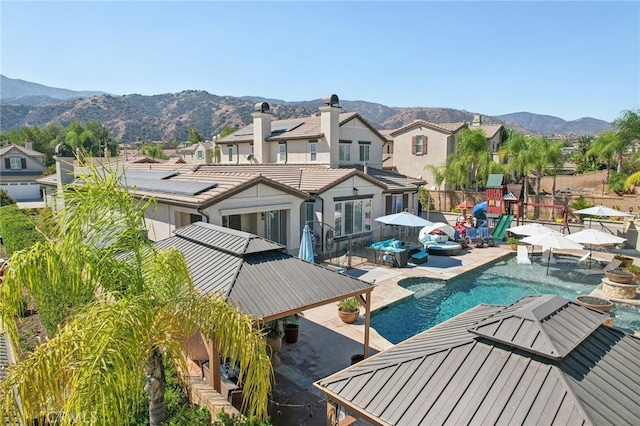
{"points": [[594, 237], [306, 245], [550, 241]]}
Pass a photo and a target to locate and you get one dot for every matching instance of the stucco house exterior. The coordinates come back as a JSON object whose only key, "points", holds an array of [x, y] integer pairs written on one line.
{"points": [[422, 143], [20, 166]]}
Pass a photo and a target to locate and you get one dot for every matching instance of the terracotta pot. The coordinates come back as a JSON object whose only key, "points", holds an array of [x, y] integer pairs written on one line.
{"points": [[592, 302], [514, 247], [275, 344], [348, 317], [619, 276], [626, 261]]}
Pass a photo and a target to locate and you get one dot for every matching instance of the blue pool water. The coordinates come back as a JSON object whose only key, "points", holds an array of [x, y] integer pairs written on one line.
{"points": [[500, 283]]}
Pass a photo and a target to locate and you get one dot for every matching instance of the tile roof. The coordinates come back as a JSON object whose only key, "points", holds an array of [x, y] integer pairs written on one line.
{"points": [[309, 128], [451, 375], [440, 127], [26, 151], [256, 274]]}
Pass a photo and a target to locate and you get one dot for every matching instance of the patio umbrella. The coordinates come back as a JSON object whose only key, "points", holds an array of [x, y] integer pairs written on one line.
{"points": [[404, 219], [601, 211], [530, 229], [306, 245], [594, 237], [551, 240]]}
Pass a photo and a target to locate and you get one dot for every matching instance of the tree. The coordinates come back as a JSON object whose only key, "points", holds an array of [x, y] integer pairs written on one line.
{"points": [[517, 152], [556, 160], [194, 136], [154, 151], [439, 175], [473, 154], [604, 147], [5, 198], [227, 131], [127, 303]]}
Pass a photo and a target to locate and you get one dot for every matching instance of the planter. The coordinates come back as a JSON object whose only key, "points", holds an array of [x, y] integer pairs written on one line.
{"points": [[626, 261], [619, 276], [348, 317], [597, 303], [275, 344], [514, 247], [291, 333]]}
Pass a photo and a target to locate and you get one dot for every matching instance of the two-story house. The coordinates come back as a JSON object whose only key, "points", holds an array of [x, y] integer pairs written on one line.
{"points": [[20, 166]]}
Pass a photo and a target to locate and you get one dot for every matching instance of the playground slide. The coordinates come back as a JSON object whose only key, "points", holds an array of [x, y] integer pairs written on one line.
{"points": [[501, 227], [480, 213]]}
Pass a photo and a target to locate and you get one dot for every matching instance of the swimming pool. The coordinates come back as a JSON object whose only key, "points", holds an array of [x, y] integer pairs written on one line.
{"points": [[500, 283]]}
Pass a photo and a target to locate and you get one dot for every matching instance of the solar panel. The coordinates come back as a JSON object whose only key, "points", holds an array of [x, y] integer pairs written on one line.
{"points": [[148, 174], [285, 127], [244, 132], [180, 187]]}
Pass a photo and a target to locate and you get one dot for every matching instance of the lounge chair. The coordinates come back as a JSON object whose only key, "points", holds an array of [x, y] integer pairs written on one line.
{"points": [[472, 236], [484, 233], [614, 264], [523, 256]]}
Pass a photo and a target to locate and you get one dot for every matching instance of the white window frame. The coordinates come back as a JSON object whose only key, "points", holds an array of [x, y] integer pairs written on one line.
{"points": [[282, 152], [352, 217], [364, 149], [419, 145], [199, 154], [16, 163], [313, 151], [230, 153], [344, 151]]}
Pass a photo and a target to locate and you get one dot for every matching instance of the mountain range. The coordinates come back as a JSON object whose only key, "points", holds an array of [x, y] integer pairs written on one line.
{"points": [[167, 117]]}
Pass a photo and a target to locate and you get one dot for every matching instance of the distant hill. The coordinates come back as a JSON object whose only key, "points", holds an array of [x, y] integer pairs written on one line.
{"points": [[549, 125], [167, 117], [20, 92]]}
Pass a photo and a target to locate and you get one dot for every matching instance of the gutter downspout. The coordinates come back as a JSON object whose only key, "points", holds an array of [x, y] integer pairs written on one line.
{"points": [[206, 216]]}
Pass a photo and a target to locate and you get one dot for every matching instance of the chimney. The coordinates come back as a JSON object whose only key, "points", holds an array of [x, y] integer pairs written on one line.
{"points": [[329, 126], [28, 144], [477, 120], [64, 165], [364, 168], [261, 131]]}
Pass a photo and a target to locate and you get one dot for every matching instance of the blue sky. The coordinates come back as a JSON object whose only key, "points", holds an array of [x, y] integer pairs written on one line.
{"points": [[565, 58]]}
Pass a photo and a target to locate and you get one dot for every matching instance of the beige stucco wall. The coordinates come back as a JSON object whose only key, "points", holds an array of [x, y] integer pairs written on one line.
{"points": [[355, 131], [439, 145]]}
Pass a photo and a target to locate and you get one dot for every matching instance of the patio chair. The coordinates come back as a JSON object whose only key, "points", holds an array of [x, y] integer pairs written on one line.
{"points": [[523, 256], [472, 236], [614, 264], [484, 233]]}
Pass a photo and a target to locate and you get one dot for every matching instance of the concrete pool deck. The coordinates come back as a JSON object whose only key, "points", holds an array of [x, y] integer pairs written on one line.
{"points": [[326, 344]]}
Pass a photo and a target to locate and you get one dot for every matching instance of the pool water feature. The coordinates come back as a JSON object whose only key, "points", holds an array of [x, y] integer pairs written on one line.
{"points": [[500, 283]]}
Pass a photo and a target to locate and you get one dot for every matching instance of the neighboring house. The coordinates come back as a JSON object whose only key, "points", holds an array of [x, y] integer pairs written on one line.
{"points": [[203, 153], [422, 143], [330, 138], [20, 166], [543, 360]]}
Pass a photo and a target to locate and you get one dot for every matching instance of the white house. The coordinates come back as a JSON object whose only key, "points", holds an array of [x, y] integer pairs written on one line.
{"points": [[20, 166]]}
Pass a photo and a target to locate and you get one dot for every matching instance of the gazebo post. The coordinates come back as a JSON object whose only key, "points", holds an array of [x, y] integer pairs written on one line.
{"points": [[366, 301], [214, 366]]}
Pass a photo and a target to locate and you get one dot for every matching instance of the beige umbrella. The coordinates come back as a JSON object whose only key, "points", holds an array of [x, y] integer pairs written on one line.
{"points": [[552, 240]]}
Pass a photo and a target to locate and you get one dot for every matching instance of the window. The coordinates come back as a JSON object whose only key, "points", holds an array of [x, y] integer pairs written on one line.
{"points": [[199, 155], [230, 152], [282, 152], [309, 213], [15, 163], [344, 151], [419, 145], [313, 151], [364, 148], [396, 203], [352, 217]]}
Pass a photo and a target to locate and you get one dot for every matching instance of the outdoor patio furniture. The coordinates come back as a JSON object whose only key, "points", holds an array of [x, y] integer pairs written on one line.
{"points": [[391, 252], [523, 256], [420, 257], [485, 235]]}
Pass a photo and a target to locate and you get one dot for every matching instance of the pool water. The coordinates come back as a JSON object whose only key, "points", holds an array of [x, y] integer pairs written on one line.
{"points": [[500, 283]]}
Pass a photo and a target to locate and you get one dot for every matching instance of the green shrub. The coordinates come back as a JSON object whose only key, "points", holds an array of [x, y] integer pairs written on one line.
{"points": [[225, 419], [17, 229], [513, 240], [349, 305], [5, 198]]}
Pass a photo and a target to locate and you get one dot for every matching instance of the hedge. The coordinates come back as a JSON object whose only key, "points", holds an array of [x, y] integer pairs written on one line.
{"points": [[17, 229]]}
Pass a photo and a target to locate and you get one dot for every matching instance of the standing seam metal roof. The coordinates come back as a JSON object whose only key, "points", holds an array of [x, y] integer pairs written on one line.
{"points": [[256, 274], [447, 375]]}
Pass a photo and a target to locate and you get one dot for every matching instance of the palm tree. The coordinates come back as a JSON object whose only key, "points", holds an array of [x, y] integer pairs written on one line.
{"points": [[123, 305], [604, 147], [472, 151], [518, 154], [555, 159], [439, 175]]}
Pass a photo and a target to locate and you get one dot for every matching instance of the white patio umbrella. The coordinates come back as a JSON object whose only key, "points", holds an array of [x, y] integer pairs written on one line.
{"points": [[550, 241], [530, 229], [601, 211], [404, 219], [595, 238]]}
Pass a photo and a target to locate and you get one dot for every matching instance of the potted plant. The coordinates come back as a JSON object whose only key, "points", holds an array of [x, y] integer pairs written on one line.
{"points": [[349, 310], [626, 261], [290, 328], [513, 242], [602, 305], [635, 270], [273, 336]]}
